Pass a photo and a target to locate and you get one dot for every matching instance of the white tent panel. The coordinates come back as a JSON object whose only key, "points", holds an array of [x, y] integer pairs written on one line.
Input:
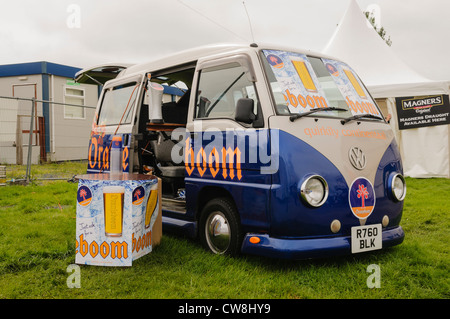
{"points": [[409, 89], [383, 72], [428, 156], [425, 151]]}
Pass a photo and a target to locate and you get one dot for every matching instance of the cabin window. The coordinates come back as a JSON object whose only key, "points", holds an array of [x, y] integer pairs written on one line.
{"points": [[118, 104], [74, 96], [220, 88]]}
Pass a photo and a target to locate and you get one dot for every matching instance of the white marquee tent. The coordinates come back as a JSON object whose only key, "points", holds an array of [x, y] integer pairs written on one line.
{"points": [[425, 150]]}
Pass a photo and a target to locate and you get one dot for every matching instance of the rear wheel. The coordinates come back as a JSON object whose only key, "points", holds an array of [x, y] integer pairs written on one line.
{"points": [[220, 228]]}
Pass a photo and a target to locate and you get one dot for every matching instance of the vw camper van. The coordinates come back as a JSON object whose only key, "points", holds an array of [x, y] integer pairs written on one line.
{"points": [[261, 149]]}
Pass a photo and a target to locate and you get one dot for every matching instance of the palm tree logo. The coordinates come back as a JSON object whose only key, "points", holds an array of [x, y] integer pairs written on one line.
{"points": [[362, 198], [138, 195], [363, 194], [275, 61], [84, 196]]}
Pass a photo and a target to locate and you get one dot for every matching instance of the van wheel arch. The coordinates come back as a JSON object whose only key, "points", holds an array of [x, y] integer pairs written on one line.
{"points": [[208, 193]]}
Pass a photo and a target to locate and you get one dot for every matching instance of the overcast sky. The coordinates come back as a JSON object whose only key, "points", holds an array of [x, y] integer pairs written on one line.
{"points": [[82, 33]]}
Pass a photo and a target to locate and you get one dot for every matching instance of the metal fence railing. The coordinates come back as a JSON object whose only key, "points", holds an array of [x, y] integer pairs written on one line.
{"points": [[31, 125]]}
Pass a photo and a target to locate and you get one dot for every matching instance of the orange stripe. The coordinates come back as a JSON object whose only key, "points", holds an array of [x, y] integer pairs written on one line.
{"points": [[362, 211]]}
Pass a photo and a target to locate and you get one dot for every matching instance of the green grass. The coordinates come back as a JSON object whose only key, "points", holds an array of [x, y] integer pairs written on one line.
{"points": [[38, 244], [46, 172]]}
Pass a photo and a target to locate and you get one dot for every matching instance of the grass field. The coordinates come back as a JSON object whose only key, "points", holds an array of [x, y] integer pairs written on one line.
{"points": [[37, 244]]}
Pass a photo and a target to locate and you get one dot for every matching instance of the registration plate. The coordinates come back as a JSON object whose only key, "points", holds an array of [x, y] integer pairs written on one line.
{"points": [[366, 238]]}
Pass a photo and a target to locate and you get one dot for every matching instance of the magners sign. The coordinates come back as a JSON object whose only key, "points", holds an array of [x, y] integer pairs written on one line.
{"points": [[414, 112]]}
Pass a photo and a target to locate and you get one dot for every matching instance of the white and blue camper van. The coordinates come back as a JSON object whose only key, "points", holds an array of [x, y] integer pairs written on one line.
{"points": [[261, 149]]}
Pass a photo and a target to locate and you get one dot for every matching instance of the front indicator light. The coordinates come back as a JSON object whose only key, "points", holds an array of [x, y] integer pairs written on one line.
{"points": [[314, 191]]}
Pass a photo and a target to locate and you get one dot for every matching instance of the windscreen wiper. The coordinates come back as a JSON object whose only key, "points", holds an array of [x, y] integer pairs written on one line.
{"points": [[355, 117], [293, 117]]}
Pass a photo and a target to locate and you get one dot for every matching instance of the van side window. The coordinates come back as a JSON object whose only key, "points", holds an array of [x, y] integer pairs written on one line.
{"points": [[118, 104], [219, 90]]}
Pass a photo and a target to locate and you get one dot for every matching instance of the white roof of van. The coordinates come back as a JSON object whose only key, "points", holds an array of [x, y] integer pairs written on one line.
{"points": [[192, 55]]}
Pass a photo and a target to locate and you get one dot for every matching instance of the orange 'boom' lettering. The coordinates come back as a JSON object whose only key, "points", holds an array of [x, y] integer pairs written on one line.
{"points": [[203, 161]]}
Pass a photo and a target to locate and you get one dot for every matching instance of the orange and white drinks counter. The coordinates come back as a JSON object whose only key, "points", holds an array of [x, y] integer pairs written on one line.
{"points": [[118, 218]]}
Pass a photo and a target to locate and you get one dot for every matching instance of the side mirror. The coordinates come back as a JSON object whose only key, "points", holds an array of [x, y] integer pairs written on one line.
{"points": [[244, 111]]}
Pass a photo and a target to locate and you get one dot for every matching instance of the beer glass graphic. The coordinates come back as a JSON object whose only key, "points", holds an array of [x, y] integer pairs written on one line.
{"points": [[113, 197], [151, 206], [305, 76]]}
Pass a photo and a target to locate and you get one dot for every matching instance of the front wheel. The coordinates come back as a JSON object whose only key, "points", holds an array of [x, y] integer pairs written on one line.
{"points": [[220, 228]]}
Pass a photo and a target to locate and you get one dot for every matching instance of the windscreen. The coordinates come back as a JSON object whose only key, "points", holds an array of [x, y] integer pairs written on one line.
{"points": [[118, 104], [301, 83]]}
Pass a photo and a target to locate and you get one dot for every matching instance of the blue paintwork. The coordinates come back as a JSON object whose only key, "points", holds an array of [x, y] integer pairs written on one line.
{"points": [[251, 193], [298, 231], [292, 218], [270, 207], [187, 228], [304, 248]]}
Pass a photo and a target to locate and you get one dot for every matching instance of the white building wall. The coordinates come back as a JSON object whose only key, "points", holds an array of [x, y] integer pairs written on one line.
{"points": [[70, 136], [14, 145]]}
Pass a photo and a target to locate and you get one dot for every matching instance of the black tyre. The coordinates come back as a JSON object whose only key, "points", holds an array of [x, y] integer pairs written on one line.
{"points": [[220, 227]]}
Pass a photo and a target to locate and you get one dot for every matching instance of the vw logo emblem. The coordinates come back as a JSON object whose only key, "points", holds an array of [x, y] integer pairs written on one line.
{"points": [[357, 158]]}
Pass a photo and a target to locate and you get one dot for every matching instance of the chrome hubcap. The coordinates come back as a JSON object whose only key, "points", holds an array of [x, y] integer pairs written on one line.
{"points": [[217, 232]]}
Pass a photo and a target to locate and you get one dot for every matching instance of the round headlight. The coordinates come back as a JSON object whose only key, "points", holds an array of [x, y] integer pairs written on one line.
{"points": [[314, 191], [398, 187]]}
